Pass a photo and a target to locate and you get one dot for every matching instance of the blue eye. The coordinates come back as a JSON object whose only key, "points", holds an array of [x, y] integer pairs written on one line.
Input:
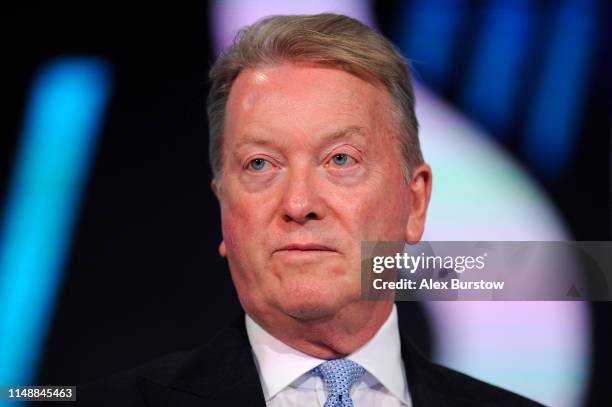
{"points": [[340, 159], [258, 164]]}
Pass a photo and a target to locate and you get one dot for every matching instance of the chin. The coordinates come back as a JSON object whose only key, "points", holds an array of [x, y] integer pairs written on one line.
{"points": [[308, 304]]}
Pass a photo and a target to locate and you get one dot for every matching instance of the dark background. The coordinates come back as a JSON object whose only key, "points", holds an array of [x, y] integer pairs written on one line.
{"points": [[143, 275]]}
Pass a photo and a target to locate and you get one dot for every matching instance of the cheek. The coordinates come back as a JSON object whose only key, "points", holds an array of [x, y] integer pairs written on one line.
{"points": [[244, 256], [357, 209], [393, 216], [244, 221], [375, 211], [234, 223]]}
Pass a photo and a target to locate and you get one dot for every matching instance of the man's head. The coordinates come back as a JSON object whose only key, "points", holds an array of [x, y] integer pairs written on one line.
{"points": [[314, 149], [325, 39]]}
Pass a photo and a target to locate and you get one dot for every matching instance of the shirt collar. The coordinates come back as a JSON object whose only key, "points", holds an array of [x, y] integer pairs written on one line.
{"points": [[381, 356], [279, 364]]}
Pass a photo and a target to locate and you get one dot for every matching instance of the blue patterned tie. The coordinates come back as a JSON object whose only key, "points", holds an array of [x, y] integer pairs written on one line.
{"points": [[339, 375]]}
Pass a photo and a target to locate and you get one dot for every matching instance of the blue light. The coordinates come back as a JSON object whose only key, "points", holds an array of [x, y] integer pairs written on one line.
{"points": [[61, 125], [490, 90], [426, 32], [552, 126]]}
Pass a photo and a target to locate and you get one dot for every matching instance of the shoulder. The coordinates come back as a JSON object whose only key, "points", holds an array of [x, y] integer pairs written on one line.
{"points": [[124, 388], [430, 383], [180, 376], [471, 391]]}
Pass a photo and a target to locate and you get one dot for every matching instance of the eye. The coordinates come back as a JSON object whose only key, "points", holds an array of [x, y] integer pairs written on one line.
{"points": [[342, 160], [258, 164]]}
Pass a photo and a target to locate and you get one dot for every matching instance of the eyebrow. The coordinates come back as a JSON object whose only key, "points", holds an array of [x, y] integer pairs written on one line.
{"points": [[325, 139], [345, 132]]}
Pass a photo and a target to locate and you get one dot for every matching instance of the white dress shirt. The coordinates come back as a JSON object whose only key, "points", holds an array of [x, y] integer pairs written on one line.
{"points": [[286, 380]]}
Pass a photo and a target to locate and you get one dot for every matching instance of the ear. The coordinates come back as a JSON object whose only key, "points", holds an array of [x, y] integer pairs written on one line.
{"points": [[215, 188], [419, 190], [222, 249]]}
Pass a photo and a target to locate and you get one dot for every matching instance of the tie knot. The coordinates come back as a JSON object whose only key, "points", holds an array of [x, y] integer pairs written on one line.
{"points": [[339, 375]]}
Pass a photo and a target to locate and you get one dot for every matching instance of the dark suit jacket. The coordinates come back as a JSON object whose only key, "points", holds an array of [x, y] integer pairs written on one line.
{"points": [[223, 373]]}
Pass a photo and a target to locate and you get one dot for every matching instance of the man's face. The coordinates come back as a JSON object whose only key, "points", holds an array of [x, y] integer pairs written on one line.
{"points": [[311, 168]]}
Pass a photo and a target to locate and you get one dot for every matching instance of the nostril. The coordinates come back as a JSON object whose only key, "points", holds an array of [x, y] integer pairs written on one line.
{"points": [[300, 219]]}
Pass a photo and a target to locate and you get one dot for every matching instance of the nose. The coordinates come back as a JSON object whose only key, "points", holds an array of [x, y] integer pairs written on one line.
{"points": [[302, 200]]}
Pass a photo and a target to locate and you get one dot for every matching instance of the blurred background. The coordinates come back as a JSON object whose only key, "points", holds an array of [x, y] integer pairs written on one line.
{"points": [[109, 230]]}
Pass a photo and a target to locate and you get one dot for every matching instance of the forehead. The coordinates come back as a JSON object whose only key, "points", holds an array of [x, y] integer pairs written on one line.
{"points": [[310, 98]]}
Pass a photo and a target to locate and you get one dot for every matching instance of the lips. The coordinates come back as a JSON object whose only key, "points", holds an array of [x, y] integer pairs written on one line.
{"points": [[305, 247]]}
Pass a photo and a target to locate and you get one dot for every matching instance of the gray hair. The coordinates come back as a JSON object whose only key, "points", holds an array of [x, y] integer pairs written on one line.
{"points": [[326, 39]]}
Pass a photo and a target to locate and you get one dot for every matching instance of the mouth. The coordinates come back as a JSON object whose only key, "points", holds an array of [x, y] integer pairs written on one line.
{"points": [[305, 249]]}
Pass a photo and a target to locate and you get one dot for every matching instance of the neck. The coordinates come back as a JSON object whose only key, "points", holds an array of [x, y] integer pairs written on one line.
{"points": [[329, 337]]}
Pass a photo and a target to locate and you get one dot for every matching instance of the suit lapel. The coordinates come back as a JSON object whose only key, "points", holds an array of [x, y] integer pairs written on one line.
{"points": [[222, 372], [421, 380]]}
